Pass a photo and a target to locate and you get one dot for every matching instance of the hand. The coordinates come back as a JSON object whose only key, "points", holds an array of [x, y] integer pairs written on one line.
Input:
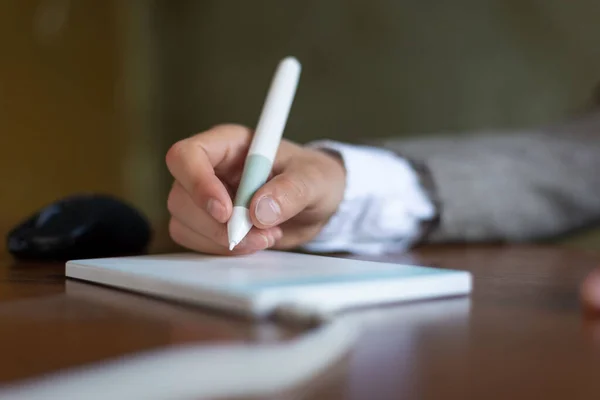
{"points": [[304, 191], [590, 291]]}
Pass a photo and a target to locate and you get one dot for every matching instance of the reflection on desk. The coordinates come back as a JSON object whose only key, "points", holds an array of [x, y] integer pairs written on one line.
{"points": [[521, 336]]}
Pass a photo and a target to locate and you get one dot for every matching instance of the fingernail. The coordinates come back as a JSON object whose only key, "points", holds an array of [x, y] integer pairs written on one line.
{"points": [[242, 244], [256, 242], [277, 234], [267, 241], [216, 209], [267, 211]]}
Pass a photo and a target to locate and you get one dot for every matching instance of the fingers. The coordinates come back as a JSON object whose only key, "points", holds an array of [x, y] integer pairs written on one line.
{"points": [[195, 229], [191, 167], [207, 168], [193, 162], [253, 242], [284, 196], [182, 207], [295, 234]]}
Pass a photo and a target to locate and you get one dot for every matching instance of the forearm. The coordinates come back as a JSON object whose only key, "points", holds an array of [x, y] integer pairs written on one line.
{"points": [[495, 186], [512, 186]]}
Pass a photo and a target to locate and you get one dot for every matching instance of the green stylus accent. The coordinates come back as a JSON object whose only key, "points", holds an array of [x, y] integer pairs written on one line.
{"points": [[256, 172]]}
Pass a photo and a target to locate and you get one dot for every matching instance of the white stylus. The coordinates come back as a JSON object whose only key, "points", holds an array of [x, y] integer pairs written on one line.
{"points": [[263, 148]]}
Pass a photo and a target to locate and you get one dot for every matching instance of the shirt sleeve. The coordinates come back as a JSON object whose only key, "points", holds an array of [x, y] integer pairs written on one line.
{"points": [[383, 207]]}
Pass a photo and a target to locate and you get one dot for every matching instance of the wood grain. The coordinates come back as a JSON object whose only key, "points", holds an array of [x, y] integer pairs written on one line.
{"points": [[520, 335]]}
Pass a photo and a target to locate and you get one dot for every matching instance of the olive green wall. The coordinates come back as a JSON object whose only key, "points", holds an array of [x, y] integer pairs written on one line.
{"points": [[379, 67]]}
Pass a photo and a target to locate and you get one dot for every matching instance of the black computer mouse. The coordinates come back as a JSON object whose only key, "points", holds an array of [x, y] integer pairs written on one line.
{"points": [[80, 226]]}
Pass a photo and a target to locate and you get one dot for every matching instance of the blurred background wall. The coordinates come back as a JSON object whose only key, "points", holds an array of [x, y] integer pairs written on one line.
{"points": [[93, 92], [380, 67]]}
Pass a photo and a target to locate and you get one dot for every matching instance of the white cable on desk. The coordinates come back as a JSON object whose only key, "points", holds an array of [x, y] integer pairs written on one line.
{"points": [[199, 372]]}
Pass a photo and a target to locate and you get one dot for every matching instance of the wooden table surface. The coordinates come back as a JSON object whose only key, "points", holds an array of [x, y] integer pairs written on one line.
{"points": [[520, 335]]}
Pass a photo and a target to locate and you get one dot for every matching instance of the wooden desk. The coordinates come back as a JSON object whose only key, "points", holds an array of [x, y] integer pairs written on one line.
{"points": [[521, 335]]}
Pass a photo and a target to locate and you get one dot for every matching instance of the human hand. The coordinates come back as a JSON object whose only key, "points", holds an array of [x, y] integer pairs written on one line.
{"points": [[304, 190], [590, 291]]}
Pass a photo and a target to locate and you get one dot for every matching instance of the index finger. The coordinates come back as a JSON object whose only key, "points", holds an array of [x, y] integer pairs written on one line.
{"points": [[193, 162]]}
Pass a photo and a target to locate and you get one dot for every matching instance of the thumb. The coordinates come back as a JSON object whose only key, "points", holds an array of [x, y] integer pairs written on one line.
{"points": [[283, 197]]}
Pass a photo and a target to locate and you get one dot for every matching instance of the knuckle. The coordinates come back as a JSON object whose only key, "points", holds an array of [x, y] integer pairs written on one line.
{"points": [[293, 189], [197, 193], [229, 127], [174, 153], [225, 126], [231, 131], [314, 172], [175, 231], [219, 234], [171, 203], [173, 200]]}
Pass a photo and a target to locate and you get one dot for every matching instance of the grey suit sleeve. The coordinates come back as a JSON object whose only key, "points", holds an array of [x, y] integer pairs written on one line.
{"points": [[510, 186]]}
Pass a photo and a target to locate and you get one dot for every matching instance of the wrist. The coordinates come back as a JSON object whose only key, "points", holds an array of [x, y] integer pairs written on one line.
{"points": [[335, 177], [337, 170], [382, 205]]}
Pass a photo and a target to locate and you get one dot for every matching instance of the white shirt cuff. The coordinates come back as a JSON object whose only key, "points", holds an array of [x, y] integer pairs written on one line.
{"points": [[383, 205]]}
